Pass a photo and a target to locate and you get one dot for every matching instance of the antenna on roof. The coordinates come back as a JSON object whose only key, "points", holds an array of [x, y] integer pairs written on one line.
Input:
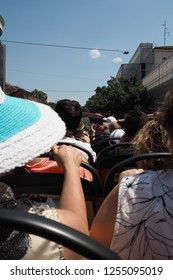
{"points": [[166, 33]]}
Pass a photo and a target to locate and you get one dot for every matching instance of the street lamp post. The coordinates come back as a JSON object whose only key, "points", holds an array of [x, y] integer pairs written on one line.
{"points": [[2, 23], [2, 56]]}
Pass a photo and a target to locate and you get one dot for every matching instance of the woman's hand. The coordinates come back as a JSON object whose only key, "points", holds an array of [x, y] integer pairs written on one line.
{"points": [[67, 156]]}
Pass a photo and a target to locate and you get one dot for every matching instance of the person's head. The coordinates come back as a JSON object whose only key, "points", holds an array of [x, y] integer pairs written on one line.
{"points": [[111, 119], [27, 129], [117, 134], [166, 115], [113, 125], [79, 131], [71, 113], [152, 138], [134, 121], [101, 128]]}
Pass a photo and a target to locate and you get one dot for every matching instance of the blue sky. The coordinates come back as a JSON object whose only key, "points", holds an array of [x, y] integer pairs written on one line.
{"points": [[97, 24]]}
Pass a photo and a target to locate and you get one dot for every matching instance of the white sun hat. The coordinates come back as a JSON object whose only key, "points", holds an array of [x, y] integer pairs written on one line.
{"points": [[27, 129], [110, 119]]}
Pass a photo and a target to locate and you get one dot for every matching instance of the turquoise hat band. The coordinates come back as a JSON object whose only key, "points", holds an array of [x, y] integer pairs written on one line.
{"points": [[16, 116]]}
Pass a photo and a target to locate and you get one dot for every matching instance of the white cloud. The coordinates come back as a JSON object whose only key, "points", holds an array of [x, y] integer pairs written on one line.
{"points": [[94, 54], [117, 59]]}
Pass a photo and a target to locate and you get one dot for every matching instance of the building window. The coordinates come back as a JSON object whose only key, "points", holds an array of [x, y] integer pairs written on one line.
{"points": [[143, 70]]}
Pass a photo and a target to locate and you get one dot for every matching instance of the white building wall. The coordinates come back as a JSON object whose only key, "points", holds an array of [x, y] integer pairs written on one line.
{"points": [[160, 56], [160, 75]]}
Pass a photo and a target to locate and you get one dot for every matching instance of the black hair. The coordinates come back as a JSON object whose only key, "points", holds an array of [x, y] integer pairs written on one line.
{"points": [[70, 112], [134, 121], [167, 112]]}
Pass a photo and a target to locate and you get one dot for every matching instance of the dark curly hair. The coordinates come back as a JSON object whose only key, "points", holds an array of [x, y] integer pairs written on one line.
{"points": [[70, 112], [167, 112]]}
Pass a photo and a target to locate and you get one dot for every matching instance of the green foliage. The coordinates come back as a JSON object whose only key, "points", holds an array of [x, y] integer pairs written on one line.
{"points": [[40, 95], [84, 109], [52, 105], [119, 97]]}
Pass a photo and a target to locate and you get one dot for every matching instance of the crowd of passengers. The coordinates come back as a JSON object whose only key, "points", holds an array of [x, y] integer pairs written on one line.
{"points": [[134, 219]]}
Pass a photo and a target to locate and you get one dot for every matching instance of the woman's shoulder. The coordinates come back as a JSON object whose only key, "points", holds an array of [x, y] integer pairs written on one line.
{"points": [[147, 180]]}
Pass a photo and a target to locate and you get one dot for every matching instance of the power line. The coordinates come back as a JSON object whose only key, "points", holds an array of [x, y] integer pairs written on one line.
{"points": [[64, 46], [77, 91]]}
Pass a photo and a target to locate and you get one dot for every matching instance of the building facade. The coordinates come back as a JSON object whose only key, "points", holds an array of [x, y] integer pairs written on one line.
{"points": [[153, 67]]}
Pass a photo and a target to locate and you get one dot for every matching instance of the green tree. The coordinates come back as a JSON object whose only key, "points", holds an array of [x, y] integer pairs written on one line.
{"points": [[40, 95], [119, 97], [52, 105], [97, 103], [84, 109]]}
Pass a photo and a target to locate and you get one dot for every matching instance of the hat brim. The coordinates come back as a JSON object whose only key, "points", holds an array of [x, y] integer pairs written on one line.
{"points": [[27, 129]]}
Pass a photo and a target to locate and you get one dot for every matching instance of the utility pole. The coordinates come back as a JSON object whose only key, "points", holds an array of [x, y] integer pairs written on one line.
{"points": [[166, 33], [2, 56]]}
